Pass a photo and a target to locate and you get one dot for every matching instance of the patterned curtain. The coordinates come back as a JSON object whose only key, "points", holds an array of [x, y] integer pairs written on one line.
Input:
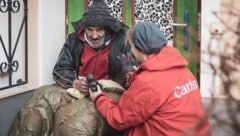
{"points": [[159, 12]]}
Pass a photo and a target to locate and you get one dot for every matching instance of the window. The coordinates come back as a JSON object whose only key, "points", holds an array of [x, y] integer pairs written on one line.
{"points": [[13, 43]]}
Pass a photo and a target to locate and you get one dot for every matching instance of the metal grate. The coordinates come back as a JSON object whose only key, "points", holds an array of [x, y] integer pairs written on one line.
{"points": [[13, 43]]}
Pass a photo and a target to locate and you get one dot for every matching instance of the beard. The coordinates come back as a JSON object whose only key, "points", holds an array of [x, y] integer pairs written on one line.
{"points": [[94, 43]]}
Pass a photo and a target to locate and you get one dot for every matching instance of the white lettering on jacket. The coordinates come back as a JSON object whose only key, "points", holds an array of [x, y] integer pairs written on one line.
{"points": [[186, 88]]}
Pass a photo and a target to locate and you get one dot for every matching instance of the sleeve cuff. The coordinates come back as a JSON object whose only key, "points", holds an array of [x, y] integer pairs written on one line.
{"points": [[98, 97]]}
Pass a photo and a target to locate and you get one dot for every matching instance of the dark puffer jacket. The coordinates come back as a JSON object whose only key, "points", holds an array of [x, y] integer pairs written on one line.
{"points": [[67, 66]]}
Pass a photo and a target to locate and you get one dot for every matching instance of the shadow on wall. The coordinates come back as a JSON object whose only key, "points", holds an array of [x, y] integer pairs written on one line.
{"points": [[224, 114]]}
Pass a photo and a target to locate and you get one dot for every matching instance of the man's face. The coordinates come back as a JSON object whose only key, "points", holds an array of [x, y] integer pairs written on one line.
{"points": [[95, 36]]}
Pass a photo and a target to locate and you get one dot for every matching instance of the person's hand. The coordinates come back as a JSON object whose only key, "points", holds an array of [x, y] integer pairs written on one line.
{"points": [[129, 65], [128, 62], [134, 68], [94, 94], [81, 84], [128, 75]]}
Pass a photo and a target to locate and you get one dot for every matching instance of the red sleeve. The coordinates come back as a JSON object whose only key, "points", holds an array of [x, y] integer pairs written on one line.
{"points": [[135, 106]]}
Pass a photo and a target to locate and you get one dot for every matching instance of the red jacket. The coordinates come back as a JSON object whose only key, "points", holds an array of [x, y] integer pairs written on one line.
{"points": [[163, 100]]}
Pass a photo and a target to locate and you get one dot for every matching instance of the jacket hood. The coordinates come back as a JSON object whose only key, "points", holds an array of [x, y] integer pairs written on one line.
{"points": [[169, 57]]}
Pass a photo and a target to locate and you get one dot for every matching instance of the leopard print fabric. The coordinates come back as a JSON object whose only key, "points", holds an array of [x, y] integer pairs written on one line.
{"points": [[115, 6], [157, 11]]}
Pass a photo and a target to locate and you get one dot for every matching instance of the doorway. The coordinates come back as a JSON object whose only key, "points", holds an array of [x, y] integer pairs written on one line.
{"points": [[162, 12]]}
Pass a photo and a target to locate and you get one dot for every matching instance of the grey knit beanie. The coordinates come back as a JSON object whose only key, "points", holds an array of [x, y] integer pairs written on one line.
{"points": [[98, 14], [148, 38]]}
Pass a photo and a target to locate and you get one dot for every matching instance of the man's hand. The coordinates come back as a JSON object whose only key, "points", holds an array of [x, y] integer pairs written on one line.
{"points": [[81, 84], [95, 94]]}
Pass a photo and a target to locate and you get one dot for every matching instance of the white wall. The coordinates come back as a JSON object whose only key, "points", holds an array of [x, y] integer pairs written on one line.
{"points": [[52, 36], [46, 35], [219, 44], [207, 19]]}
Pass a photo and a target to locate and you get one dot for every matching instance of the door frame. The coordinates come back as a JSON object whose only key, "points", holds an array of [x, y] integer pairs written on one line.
{"points": [[128, 17], [198, 37]]}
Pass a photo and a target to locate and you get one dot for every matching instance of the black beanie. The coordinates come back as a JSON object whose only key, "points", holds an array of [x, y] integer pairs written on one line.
{"points": [[98, 14]]}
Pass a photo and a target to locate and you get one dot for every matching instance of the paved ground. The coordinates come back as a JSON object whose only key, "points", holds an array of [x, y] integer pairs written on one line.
{"points": [[224, 116]]}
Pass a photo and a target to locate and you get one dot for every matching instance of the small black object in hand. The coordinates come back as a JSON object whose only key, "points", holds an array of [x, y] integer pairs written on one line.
{"points": [[92, 83]]}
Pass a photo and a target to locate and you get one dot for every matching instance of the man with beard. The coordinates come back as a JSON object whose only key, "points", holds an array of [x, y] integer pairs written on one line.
{"points": [[96, 47], [93, 48]]}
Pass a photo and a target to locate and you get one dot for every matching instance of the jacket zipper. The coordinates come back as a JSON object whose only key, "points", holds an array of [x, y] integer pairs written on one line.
{"points": [[95, 63]]}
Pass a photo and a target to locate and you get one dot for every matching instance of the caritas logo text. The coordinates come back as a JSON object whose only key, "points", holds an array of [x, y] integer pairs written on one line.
{"points": [[186, 88]]}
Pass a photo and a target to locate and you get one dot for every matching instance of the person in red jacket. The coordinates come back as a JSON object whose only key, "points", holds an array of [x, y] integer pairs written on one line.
{"points": [[163, 98]]}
